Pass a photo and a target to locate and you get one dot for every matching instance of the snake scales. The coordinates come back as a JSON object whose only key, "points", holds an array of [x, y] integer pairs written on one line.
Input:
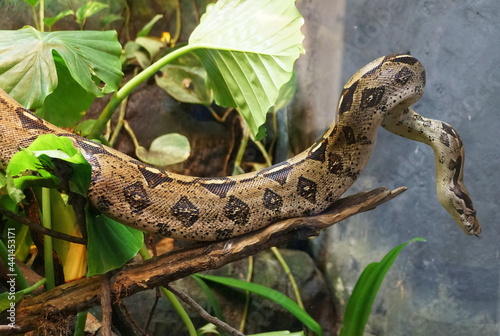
{"points": [[198, 208]]}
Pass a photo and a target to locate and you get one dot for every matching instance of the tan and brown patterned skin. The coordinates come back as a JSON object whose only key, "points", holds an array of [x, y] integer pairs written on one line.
{"points": [[205, 209]]}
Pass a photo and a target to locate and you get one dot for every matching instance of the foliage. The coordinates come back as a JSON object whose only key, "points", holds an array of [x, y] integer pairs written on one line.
{"points": [[245, 45], [241, 55], [360, 304], [48, 70], [110, 244], [28, 70], [165, 150], [47, 155], [270, 294]]}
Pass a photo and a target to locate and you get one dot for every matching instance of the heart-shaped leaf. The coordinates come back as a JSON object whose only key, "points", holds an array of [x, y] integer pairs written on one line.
{"points": [[184, 79], [28, 72], [165, 150]]}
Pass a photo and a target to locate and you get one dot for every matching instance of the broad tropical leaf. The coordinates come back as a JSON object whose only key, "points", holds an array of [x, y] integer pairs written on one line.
{"points": [[28, 72], [248, 49], [110, 244]]}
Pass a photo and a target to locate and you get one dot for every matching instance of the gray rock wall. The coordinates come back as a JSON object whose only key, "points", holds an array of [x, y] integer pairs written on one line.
{"points": [[449, 285]]}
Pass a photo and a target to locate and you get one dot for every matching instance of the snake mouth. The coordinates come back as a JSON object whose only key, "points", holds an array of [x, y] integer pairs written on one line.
{"points": [[473, 227]]}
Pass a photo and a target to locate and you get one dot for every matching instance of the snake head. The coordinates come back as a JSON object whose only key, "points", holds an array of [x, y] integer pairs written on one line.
{"points": [[457, 202], [467, 221]]}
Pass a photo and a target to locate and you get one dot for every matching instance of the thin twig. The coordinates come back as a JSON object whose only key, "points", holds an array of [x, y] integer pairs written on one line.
{"points": [[203, 313], [152, 311], [107, 312], [43, 230]]}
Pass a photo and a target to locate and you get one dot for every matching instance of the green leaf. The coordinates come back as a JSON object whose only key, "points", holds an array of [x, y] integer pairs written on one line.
{"points": [[363, 295], [165, 150], [28, 71], [287, 92], [34, 166], [184, 79], [23, 235], [148, 26], [85, 127], [152, 46], [212, 300], [270, 294], [143, 50], [68, 94], [248, 49], [50, 21], [7, 251], [63, 218], [32, 3], [87, 10], [208, 329], [8, 301], [6, 298], [110, 244], [110, 18]]}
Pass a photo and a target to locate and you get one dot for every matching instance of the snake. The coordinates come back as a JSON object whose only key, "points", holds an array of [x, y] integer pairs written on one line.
{"points": [[217, 208]]}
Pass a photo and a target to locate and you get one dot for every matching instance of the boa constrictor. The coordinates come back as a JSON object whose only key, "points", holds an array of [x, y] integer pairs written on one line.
{"points": [[199, 208]]}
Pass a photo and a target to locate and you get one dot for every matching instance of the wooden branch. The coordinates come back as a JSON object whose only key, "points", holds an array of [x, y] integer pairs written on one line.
{"points": [[68, 299]]}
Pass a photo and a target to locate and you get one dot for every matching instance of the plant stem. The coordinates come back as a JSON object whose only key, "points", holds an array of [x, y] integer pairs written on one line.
{"points": [[265, 154], [47, 240], [81, 320], [178, 23], [131, 133], [180, 310], [126, 89], [247, 295], [30, 289], [42, 14], [243, 146], [172, 298], [35, 17], [283, 264]]}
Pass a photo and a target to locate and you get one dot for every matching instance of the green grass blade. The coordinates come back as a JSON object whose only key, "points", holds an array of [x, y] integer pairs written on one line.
{"points": [[272, 295], [210, 297], [360, 304]]}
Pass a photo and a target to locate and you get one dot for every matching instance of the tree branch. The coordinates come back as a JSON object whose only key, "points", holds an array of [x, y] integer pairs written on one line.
{"points": [[70, 298]]}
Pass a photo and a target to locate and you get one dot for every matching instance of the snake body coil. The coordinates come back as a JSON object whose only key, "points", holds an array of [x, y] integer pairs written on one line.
{"points": [[196, 208]]}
